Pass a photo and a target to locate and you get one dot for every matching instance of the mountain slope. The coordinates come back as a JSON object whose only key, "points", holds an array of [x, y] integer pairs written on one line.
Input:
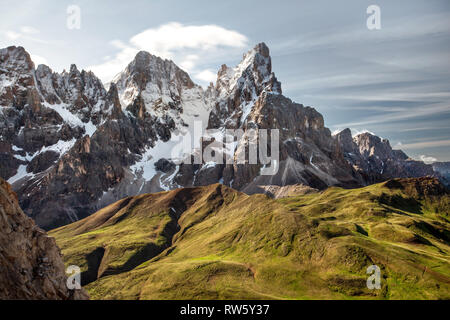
{"points": [[30, 262], [217, 243]]}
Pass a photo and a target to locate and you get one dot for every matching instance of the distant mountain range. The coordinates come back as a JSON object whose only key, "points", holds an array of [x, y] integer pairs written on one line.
{"points": [[70, 147]]}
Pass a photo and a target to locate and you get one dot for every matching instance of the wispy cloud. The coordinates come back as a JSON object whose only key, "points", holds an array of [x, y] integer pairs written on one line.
{"points": [[185, 44], [206, 76], [397, 29], [427, 159], [426, 144], [12, 35], [413, 112], [37, 59], [23, 32], [28, 30]]}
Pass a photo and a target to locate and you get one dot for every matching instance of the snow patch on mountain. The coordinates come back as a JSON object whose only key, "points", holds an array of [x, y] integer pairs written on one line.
{"points": [[71, 118], [21, 173]]}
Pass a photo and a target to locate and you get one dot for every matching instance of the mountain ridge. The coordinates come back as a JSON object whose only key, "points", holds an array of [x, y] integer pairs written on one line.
{"points": [[70, 147]]}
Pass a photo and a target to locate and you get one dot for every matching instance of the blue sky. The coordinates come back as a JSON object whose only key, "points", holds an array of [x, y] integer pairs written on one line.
{"points": [[394, 82]]}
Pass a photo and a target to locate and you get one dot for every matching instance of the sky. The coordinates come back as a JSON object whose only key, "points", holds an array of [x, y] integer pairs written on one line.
{"points": [[393, 81]]}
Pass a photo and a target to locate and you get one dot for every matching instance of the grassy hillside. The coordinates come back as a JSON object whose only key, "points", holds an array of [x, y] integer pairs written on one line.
{"points": [[217, 243]]}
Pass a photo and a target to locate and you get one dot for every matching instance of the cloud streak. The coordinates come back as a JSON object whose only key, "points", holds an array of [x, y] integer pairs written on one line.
{"points": [[426, 144]]}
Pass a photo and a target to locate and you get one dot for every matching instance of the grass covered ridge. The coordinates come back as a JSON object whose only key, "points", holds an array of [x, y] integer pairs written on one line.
{"points": [[216, 243]]}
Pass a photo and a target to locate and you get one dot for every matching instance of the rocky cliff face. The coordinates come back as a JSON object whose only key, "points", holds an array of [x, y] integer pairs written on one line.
{"points": [[69, 146], [375, 160], [31, 265]]}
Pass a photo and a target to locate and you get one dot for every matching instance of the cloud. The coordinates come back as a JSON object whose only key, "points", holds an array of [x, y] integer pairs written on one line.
{"points": [[206, 76], [427, 144], [427, 159], [24, 33], [402, 29], [38, 60], [185, 45], [413, 112], [189, 62], [174, 36], [29, 30], [356, 132], [12, 35]]}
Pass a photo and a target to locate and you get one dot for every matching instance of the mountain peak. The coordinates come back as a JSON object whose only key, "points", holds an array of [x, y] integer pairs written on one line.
{"points": [[254, 73], [153, 77], [369, 138], [345, 140], [142, 60], [241, 86], [260, 48], [16, 58], [145, 62], [73, 68]]}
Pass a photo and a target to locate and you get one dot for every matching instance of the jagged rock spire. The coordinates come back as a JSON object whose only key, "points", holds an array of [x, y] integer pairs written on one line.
{"points": [[238, 88], [253, 72], [113, 99]]}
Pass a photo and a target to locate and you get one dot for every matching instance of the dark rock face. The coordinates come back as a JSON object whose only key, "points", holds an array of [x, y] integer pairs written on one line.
{"points": [[164, 165], [375, 160], [70, 189], [42, 162], [30, 262]]}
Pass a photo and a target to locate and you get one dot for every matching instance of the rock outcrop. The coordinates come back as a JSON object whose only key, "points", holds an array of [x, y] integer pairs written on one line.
{"points": [[375, 160], [31, 265]]}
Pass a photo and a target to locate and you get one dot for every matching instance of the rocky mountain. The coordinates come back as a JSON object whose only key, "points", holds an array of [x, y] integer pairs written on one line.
{"points": [[375, 160], [69, 146], [249, 97], [72, 148], [214, 242], [31, 265], [443, 168]]}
